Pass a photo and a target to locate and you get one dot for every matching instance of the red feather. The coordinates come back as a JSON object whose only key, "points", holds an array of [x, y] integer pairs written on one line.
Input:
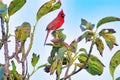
{"points": [[55, 24]]}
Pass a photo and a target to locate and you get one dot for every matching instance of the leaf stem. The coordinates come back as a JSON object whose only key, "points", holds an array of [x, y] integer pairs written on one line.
{"points": [[7, 30], [23, 70], [23, 62]]}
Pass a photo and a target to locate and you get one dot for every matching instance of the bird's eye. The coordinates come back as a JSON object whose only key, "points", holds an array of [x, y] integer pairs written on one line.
{"points": [[62, 15]]}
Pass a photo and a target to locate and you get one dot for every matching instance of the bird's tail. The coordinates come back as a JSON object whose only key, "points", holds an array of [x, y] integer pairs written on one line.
{"points": [[46, 37]]}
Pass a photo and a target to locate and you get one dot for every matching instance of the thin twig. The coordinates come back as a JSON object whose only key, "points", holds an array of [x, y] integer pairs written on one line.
{"points": [[23, 70], [7, 30], [23, 62], [17, 50]]}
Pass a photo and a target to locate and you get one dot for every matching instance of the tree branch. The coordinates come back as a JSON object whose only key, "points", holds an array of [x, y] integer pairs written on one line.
{"points": [[6, 66]]}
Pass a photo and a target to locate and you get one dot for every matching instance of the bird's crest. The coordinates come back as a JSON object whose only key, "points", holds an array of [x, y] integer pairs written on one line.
{"points": [[61, 13]]}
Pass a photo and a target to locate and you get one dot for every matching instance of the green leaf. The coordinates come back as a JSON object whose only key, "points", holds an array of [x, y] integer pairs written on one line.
{"points": [[15, 5], [85, 25], [56, 5], [59, 66], [114, 62], [109, 37], [83, 22], [35, 59], [1, 72], [44, 9], [108, 31], [106, 20], [73, 46], [83, 50], [23, 32], [100, 45], [59, 34], [50, 60], [47, 7], [3, 8], [79, 64], [14, 75], [94, 67], [13, 66], [54, 50], [110, 40], [61, 52], [53, 67], [118, 78]]}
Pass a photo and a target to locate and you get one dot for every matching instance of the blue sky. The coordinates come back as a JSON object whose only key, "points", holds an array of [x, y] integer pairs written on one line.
{"points": [[91, 10]]}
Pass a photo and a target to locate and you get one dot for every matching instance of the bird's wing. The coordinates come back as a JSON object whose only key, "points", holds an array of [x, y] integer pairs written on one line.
{"points": [[53, 23]]}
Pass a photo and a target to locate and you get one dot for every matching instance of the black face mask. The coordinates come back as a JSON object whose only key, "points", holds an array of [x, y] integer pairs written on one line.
{"points": [[62, 15]]}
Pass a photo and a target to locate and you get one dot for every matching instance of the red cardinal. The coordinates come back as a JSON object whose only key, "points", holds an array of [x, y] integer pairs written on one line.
{"points": [[55, 24]]}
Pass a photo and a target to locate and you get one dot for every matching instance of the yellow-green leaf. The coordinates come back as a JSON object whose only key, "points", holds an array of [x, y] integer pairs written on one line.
{"points": [[73, 46], [14, 75], [110, 40], [23, 32], [59, 34], [100, 45], [56, 5], [82, 58], [106, 20], [108, 31], [47, 7], [114, 62], [13, 66], [53, 67], [85, 25], [83, 50], [79, 64], [59, 66], [94, 67], [15, 5], [118, 78], [35, 59]]}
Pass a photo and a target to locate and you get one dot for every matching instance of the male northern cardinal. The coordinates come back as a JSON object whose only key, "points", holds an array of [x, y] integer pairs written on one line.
{"points": [[55, 24]]}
